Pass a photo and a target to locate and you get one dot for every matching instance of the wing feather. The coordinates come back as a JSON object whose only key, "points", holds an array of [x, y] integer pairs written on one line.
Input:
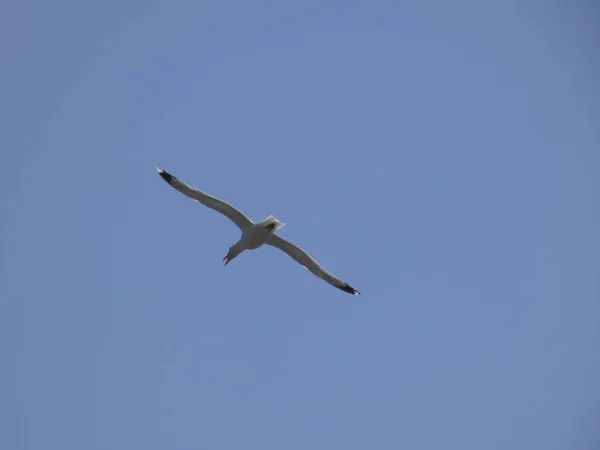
{"points": [[304, 259], [218, 205]]}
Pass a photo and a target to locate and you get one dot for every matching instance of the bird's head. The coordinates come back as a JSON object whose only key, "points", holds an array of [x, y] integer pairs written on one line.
{"points": [[233, 252]]}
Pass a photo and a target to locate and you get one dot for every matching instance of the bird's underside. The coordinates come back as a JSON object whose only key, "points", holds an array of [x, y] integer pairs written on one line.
{"points": [[263, 231]]}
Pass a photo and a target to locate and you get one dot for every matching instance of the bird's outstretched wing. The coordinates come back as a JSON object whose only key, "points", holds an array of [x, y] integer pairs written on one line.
{"points": [[309, 262], [224, 208]]}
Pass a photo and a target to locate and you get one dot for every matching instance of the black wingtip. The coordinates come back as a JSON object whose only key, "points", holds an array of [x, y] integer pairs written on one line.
{"points": [[349, 289], [165, 175]]}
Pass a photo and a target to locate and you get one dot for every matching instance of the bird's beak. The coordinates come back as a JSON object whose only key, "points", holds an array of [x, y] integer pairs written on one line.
{"points": [[227, 258]]}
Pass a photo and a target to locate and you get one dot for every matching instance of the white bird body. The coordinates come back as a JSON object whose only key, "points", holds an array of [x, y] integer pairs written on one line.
{"points": [[255, 235], [258, 234]]}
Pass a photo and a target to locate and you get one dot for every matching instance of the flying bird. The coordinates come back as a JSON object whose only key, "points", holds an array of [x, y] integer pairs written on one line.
{"points": [[254, 235]]}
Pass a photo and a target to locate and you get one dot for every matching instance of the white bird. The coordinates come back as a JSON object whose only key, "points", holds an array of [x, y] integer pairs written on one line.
{"points": [[254, 235]]}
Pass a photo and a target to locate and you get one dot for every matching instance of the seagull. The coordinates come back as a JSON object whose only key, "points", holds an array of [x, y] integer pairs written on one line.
{"points": [[255, 235]]}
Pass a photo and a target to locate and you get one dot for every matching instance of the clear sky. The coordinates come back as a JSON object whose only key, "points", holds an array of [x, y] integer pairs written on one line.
{"points": [[441, 157]]}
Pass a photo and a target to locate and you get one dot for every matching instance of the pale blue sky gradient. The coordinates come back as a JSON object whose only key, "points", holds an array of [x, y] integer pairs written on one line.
{"points": [[442, 157]]}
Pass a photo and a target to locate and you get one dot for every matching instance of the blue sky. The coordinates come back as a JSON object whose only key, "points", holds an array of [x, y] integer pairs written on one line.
{"points": [[441, 157]]}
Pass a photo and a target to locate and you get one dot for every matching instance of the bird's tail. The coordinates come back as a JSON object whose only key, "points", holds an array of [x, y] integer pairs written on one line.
{"points": [[272, 223]]}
